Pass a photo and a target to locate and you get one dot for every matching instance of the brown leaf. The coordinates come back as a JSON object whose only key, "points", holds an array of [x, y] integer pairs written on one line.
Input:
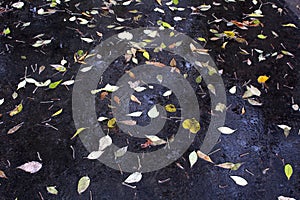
{"points": [[103, 95], [159, 2], [128, 122], [173, 62], [2, 174], [15, 128], [204, 156], [117, 100], [133, 98], [156, 64]]}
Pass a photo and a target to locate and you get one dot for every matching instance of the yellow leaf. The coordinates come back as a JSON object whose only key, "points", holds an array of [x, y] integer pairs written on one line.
{"points": [[262, 79], [17, 110], [83, 184], [57, 113], [77, 132], [111, 123], [146, 55], [170, 108], [229, 34], [288, 170], [192, 125]]}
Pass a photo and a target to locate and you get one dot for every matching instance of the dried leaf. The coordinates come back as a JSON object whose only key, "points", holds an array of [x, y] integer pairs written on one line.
{"points": [[134, 177], [94, 155], [167, 93], [220, 107], [239, 180], [120, 152], [232, 90], [155, 140], [1, 101], [111, 123], [288, 170], [285, 198], [135, 114], [125, 35], [193, 158], [22, 84], [286, 129], [2, 174], [108, 88], [16, 110], [77, 132], [170, 108], [226, 130], [153, 112], [262, 79], [31, 167], [104, 142], [57, 112], [128, 122], [146, 55], [52, 190], [18, 5], [135, 99], [88, 40], [15, 128], [192, 125], [83, 184], [211, 88], [204, 156]]}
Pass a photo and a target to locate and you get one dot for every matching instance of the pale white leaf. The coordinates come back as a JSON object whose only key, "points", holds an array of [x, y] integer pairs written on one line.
{"points": [[232, 90], [254, 102], [104, 142], [22, 84], [155, 140], [125, 35], [86, 69], [121, 152], [18, 5], [193, 157], [211, 88], [1, 101], [153, 112], [94, 155], [52, 190], [83, 184], [128, 122], [285, 198], [167, 93], [134, 177], [31, 167], [139, 89], [135, 114], [69, 82], [220, 107], [239, 180], [226, 130], [88, 40], [100, 119]]}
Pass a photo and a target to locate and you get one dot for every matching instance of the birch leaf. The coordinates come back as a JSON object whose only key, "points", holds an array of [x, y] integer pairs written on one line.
{"points": [[192, 125], [120, 152], [167, 93], [111, 123], [88, 40], [1, 101], [239, 180], [15, 128], [211, 88], [146, 55], [286, 129], [135, 99], [128, 122], [18, 5], [232, 90], [52, 190], [170, 108], [288, 170], [226, 130], [104, 142], [22, 84], [83, 184], [193, 157], [204, 156], [94, 155], [31, 167], [285, 198], [134, 177], [17, 110], [54, 84], [100, 119], [153, 112], [155, 140], [262, 79], [77, 132]]}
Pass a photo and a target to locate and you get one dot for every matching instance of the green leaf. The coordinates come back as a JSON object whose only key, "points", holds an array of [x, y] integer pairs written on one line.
{"points": [[83, 184], [52, 190], [54, 84], [146, 55], [262, 37], [6, 31], [175, 2], [288, 170], [77, 132], [198, 79]]}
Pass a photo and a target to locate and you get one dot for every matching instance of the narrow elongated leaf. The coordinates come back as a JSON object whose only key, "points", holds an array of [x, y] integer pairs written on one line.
{"points": [[155, 140], [135, 114], [226, 130], [77, 132], [83, 184], [57, 113]]}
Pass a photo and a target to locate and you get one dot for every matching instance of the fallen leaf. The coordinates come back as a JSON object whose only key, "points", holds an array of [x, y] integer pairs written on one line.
{"points": [[192, 125], [262, 79], [289, 25], [104, 142], [100, 119], [88, 40], [31, 167], [170, 108], [111, 123], [17, 110], [125, 35], [2, 174], [153, 112], [288, 170], [229, 165], [52, 190], [135, 114], [135, 99], [239, 180], [94, 155], [77, 132], [1, 101], [286, 129], [128, 122], [285, 198], [193, 158], [211, 88], [146, 55], [22, 84], [57, 113], [83, 184], [204, 156], [15, 128], [220, 107], [54, 84], [18, 5], [120, 152], [134, 177], [262, 37], [226, 130], [155, 140], [232, 90]]}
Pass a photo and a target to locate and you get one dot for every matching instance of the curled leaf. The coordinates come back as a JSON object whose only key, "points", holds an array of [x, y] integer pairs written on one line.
{"points": [[77, 132]]}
